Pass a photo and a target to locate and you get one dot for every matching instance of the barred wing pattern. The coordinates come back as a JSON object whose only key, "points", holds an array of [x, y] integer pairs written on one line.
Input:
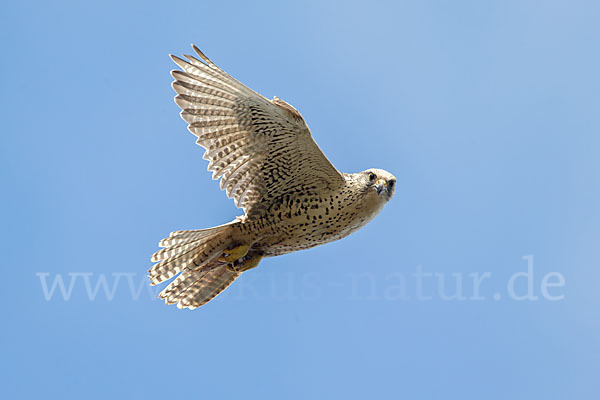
{"points": [[260, 149]]}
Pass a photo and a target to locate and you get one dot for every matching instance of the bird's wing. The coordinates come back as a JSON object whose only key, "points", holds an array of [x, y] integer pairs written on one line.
{"points": [[260, 149]]}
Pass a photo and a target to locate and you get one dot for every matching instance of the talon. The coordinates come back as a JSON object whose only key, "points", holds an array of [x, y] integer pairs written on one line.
{"points": [[245, 264], [250, 263], [235, 253]]}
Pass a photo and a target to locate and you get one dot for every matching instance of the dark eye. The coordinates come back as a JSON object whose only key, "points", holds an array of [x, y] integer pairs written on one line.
{"points": [[371, 176], [391, 184]]}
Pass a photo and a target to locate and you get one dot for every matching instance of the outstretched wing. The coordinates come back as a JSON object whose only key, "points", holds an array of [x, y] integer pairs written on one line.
{"points": [[260, 149]]}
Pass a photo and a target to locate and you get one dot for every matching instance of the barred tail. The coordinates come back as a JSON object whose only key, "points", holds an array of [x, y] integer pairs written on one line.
{"points": [[194, 288], [194, 254]]}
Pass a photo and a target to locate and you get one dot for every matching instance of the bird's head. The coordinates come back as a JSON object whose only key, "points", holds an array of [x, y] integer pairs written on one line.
{"points": [[379, 184]]}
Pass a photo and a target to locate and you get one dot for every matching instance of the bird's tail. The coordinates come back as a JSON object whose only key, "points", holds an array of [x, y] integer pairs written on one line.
{"points": [[198, 256]]}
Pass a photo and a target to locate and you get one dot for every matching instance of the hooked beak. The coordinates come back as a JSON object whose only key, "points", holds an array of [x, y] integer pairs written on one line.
{"points": [[381, 186]]}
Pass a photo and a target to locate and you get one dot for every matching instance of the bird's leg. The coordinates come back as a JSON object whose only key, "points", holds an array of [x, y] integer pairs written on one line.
{"points": [[245, 263], [234, 253]]}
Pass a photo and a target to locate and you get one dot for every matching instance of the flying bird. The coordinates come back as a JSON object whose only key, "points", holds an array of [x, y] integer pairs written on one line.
{"points": [[264, 155]]}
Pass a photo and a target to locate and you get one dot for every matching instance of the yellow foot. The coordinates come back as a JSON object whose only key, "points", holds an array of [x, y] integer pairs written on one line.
{"points": [[245, 264], [235, 253]]}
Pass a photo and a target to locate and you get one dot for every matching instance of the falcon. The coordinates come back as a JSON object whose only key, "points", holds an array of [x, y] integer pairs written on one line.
{"points": [[263, 153]]}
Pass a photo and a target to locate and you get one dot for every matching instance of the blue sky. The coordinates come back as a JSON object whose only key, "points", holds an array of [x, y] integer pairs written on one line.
{"points": [[488, 114]]}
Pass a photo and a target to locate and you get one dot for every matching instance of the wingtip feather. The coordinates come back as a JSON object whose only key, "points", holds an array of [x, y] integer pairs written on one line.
{"points": [[201, 54], [179, 61]]}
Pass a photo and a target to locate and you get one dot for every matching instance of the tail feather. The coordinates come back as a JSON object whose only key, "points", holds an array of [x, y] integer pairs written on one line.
{"points": [[185, 280], [179, 237], [188, 249], [193, 258], [179, 285], [196, 288], [207, 288], [193, 254], [177, 250]]}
